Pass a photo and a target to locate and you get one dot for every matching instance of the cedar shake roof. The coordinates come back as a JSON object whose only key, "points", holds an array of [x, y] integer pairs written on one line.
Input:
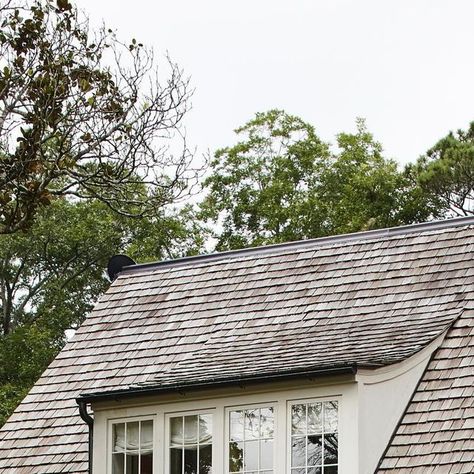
{"points": [[436, 433], [367, 299]]}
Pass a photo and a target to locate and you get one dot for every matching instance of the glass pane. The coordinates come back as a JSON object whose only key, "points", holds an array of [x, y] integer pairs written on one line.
{"points": [[176, 428], [330, 416], [252, 428], [132, 463], [190, 429], [330, 470], [118, 437], [190, 460], [298, 451], [205, 429], [237, 426], [314, 450], [266, 422], [146, 464], [298, 419], [205, 459], [146, 437], [236, 456], [266, 454], [314, 418], [330, 449], [315, 470], [251, 455], [176, 461], [133, 436], [118, 463], [298, 471]]}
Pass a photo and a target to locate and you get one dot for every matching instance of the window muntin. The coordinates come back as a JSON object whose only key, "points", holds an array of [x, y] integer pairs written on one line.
{"points": [[190, 444], [251, 434], [132, 447], [314, 438]]}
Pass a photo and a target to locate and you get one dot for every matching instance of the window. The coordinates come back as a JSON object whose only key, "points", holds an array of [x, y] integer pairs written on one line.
{"points": [[251, 434], [190, 444], [132, 447], [314, 440]]}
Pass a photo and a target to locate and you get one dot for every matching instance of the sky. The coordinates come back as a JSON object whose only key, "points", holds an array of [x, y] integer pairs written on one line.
{"points": [[406, 66]]}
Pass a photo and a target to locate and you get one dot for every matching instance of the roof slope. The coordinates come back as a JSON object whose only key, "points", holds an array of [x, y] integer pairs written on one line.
{"points": [[373, 299], [436, 433]]}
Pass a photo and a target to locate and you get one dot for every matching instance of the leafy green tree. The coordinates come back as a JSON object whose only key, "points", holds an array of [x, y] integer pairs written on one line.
{"points": [[280, 182], [446, 173], [361, 190], [51, 276], [83, 114], [259, 188]]}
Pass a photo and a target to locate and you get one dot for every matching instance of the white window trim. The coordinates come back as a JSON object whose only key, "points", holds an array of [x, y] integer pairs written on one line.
{"points": [[167, 433], [344, 393], [129, 419], [249, 407], [297, 401]]}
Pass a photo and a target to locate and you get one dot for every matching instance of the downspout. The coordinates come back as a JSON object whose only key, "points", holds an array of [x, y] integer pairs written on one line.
{"points": [[90, 423]]}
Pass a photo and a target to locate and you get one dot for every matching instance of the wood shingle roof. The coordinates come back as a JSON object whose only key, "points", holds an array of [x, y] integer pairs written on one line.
{"points": [[368, 300]]}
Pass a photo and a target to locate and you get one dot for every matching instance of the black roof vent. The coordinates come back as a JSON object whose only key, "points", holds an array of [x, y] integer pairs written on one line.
{"points": [[116, 264]]}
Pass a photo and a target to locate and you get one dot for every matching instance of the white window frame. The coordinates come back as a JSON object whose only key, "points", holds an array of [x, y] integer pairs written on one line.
{"points": [[227, 412], [304, 401], [167, 432], [129, 419]]}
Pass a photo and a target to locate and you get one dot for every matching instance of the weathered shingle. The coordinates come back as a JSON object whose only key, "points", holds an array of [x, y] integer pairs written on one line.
{"points": [[371, 300]]}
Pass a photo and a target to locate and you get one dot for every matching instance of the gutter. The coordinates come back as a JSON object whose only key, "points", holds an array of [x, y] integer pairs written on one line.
{"points": [[90, 423], [125, 394]]}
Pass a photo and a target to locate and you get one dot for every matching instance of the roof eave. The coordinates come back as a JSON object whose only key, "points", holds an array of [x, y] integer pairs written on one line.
{"points": [[126, 394]]}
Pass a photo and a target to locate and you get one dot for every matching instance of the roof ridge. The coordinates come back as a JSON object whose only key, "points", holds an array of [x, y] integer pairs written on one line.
{"points": [[301, 244]]}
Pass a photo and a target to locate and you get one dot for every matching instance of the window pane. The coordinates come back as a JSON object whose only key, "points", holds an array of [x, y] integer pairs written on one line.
{"points": [[176, 428], [330, 416], [298, 451], [298, 419], [146, 464], [118, 437], [236, 456], [314, 451], [330, 449], [315, 470], [146, 437], [205, 429], [330, 470], [252, 426], [266, 422], [315, 424], [251, 455], [176, 461], [266, 454], [132, 463], [118, 463], [190, 460], [237, 425], [190, 429], [205, 459], [133, 436]]}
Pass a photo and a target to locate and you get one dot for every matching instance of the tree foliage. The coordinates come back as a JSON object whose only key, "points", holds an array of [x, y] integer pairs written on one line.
{"points": [[82, 114], [446, 173], [51, 276], [281, 182]]}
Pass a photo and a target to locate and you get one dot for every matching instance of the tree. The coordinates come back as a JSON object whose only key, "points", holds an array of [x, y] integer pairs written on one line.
{"points": [[259, 188], [446, 173], [51, 276], [282, 183], [361, 190], [83, 114]]}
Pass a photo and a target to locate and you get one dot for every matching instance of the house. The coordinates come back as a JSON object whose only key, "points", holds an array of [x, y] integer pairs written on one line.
{"points": [[351, 354]]}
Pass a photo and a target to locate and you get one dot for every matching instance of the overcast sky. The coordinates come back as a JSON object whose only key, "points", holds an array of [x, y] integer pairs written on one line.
{"points": [[405, 65]]}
